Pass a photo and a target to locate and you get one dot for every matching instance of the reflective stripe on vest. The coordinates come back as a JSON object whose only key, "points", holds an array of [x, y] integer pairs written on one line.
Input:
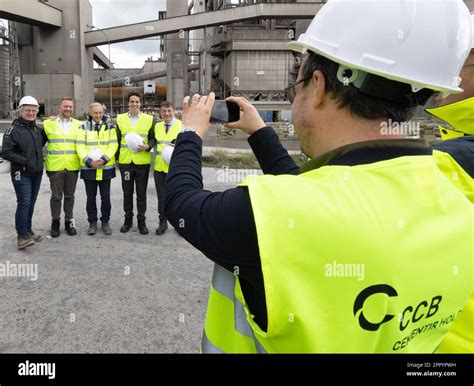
{"points": [[61, 149], [163, 139], [142, 128], [334, 261], [224, 285]]}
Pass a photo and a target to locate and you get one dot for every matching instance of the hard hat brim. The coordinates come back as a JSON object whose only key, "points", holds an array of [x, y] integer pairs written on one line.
{"points": [[302, 47]]}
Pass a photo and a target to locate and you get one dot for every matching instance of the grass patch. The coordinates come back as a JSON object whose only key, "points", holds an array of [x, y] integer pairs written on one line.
{"points": [[220, 159]]}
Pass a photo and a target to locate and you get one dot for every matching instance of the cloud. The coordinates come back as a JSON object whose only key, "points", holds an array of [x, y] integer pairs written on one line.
{"points": [[112, 13]]}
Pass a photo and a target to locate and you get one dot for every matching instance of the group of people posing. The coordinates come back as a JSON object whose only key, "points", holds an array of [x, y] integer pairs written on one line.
{"points": [[91, 150]]}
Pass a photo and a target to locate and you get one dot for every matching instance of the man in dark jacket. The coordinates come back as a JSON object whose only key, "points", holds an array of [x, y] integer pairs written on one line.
{"points": [[22, 146]]}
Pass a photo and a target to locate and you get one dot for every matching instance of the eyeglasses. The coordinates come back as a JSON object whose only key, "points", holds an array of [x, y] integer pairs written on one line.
{"points": [[291, 90]]}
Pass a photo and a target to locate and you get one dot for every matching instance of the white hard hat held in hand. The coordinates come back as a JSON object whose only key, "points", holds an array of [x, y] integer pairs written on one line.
{"points": [[417, 42], [133, 141], [167, 153], [95, 154], [28, 100]]}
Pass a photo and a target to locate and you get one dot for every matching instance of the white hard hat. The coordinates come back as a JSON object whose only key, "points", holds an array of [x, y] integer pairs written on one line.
{"points": [[423, 43], [95, 154], [133, 140], [28, 100], [166, 154]]}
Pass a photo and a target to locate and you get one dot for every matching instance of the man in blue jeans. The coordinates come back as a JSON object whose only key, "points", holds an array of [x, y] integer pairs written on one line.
{"points": [[22, 146]]}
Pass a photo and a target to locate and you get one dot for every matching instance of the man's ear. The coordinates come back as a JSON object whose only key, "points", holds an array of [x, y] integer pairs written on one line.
{"points": [[318, 92]]}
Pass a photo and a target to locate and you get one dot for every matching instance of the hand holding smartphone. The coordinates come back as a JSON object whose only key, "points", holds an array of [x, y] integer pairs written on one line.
{"points": [[225, 112]]}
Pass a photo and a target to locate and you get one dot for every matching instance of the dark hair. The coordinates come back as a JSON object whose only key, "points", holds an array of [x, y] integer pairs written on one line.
{"points": [[167, 104], [65, 99], [348, 96], [133, 93]]}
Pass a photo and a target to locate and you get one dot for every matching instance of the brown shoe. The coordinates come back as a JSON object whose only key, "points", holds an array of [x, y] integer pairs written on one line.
{"points": [[24, 241], [36, 238]]}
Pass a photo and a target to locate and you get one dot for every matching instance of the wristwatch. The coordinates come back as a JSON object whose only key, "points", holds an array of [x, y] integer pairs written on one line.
{"points": [[185, 129]]}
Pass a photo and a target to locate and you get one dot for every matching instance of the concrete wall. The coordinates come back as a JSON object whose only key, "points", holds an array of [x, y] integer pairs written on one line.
{"points": [[60, 55], [49, 88], [4, 78], [177, 60], [257, 70]]}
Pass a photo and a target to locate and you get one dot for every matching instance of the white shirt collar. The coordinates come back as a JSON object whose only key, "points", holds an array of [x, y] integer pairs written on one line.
{"points": [[138, 116], [65, 120], [171, 123]]}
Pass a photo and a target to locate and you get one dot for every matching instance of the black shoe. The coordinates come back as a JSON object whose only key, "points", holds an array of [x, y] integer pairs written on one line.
{"points": [[127, 225], [92, 229], [106, 229], [162, 227], [70, 230], [55, 228], [142, 228]]}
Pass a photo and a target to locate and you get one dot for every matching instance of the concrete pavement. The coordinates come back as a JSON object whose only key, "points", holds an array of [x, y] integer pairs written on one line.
{"points": [[125, 293]]}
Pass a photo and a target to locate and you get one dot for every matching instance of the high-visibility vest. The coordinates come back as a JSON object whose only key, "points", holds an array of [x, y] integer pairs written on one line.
{"points": [[104, 140], [459, 115], [142, 128], [354, 259], [164, 139], [61, 150]]}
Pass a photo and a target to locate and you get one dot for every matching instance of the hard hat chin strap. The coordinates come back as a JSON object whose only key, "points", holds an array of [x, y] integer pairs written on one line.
{"points": [[383, 88]]}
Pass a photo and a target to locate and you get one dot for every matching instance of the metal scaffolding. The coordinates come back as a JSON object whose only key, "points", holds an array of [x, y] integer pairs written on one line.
{"points": [[16, 85]]}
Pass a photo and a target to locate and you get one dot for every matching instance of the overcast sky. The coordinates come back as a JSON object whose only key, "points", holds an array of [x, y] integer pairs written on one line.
{"points": [[111, 13]]}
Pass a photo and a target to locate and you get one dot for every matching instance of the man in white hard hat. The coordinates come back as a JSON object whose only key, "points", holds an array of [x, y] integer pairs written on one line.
{"points": [[22, 146], [331, 260], [458, 111]]}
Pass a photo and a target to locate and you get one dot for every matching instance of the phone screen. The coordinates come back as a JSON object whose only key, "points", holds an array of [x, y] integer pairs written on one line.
{"points": [[223, 112]]}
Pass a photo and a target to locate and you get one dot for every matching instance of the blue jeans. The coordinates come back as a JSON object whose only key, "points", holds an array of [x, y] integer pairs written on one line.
{"points": [[105, 207], [26, 189]]}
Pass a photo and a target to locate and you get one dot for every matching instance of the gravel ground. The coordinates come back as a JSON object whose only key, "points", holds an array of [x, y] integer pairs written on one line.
{"points": [[125, 293]]}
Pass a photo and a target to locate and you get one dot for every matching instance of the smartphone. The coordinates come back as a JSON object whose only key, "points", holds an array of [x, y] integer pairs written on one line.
{"points": [[223, 112]]}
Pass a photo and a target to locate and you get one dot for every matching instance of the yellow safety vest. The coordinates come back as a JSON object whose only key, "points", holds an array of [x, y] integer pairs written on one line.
{"points": [[142, 128], [105, 140], [61, 151], [354, 259], [459, 115], [162, 140]]}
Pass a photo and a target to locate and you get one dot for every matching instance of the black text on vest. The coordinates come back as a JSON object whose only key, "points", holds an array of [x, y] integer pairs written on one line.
{"points": [[424, 309]]}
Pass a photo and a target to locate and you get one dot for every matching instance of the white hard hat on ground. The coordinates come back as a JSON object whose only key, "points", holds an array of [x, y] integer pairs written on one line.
{"points": [[28, 100], [166, 154], [133, 140], [423, 43]]}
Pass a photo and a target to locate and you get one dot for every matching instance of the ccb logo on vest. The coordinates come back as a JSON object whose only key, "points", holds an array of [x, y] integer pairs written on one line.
{"points": [[412, 313]]}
